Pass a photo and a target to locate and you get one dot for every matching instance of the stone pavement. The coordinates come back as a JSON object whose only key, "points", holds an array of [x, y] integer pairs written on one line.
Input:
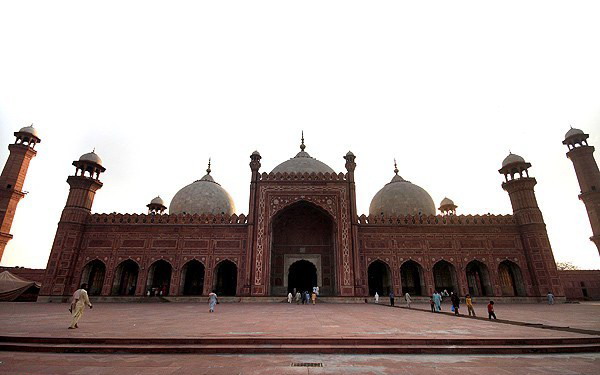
{"points": [[114, 364], [181, 320]]}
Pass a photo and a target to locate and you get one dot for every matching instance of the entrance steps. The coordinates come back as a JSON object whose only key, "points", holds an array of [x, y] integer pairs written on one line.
{"points": [[289, 345]]}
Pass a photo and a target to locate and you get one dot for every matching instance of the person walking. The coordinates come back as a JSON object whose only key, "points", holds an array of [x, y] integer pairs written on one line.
{"points": [[376, 297], [437, 300], [307, 297], [298, 297], [408, 299], [212, 301], [290, 297], [469, 303], [432, 304], [491, 310], [550, 298], [455, 299], [80, 300], [313, 297]]}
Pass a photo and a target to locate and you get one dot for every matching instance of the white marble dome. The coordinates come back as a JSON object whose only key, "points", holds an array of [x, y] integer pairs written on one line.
{"points": [[302, 163], [401, 197], [512, 159], [91, 157], [158, 200], [572, 132], [29, 130], [204, 196]]}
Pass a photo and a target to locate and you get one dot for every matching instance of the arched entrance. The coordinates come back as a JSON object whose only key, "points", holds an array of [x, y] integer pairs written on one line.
{"points": [[125, 280], [192, 278], [302, 276], [226, 279], [444, 277], [411, 275], [380, 278], [93, 276], [159, 278], [478, 279], [511, 280], [302, 231]]}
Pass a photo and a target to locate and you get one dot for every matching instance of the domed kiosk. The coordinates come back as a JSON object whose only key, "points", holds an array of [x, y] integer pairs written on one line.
{"points": [[401, 197], [204, 196], [302, 163]]}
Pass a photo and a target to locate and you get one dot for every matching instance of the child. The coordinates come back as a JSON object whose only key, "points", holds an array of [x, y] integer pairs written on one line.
{"points": [[491, 310], [469, 303], [432, 304]]}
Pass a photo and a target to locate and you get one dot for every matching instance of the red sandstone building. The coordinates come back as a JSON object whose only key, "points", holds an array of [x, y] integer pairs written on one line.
{"points": [[302, 230]]}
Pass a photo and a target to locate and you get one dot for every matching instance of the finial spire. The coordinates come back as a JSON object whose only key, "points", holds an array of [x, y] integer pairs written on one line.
{"points": [[208, 169], [302, 146], [94, 150], [395, 167]]}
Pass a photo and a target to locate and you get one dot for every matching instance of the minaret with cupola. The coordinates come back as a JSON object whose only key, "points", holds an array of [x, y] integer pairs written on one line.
{"points": [[13, 178], [447, 207], [67, 242], [588, 175], [529, 219], [156, 206]]}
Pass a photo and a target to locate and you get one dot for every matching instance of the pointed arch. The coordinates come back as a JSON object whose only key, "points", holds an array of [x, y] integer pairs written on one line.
{"points": [[478, 279], [379, 277], [444, 276], [192, 278], [412, 280], [93, 275], [225, 281], [511, 279], [125, 279], [159, 277]]}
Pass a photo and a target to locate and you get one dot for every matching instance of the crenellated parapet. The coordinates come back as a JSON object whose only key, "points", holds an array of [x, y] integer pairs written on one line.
{"points": [[293, 176], [438, 220], [146, 219]]}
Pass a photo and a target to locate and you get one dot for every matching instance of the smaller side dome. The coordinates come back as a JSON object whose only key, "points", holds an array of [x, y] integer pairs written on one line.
{"points": [[158, 200], [446, 201], [512, 159], [29, 130], [572, 132], [91, 157], [447, 207]]}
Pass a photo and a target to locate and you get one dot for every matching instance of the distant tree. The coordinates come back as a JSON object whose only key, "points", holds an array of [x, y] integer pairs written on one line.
{"points": [[566, 266]]}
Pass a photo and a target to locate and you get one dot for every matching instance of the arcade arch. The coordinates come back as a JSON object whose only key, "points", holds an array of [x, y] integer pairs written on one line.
{"points": [[192, 278], [159, 278], [478, 279], [225, 283], [93, 275], [125, 280], [380, 278], [411, 275], [511, 279], [444, 277]]}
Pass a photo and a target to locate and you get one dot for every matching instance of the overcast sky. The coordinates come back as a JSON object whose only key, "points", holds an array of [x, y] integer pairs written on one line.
{"points": [[447, 88]]}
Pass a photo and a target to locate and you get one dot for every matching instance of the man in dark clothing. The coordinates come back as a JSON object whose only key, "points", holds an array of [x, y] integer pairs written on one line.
{"points": [[455, 302], [391, 298]]}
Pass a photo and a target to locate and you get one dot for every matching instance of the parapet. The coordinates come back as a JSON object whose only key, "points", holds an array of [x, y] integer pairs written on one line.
{"points": [[292, 176], [438, 220], [146, 219]]}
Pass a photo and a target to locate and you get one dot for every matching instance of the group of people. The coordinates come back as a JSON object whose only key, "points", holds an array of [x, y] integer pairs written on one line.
{"points": [[303, 297], [436, 304], [407, 298]]}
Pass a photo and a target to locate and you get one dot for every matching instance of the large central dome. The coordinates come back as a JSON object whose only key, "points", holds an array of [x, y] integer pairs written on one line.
{"points": [[302, 163], [401, 197]]}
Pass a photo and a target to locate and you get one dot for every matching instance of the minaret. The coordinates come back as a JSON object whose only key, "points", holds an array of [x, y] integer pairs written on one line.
{"points": [[58, 280], [156, 206], [447, 207], [536, 245], [13, 177], [588, 175]]}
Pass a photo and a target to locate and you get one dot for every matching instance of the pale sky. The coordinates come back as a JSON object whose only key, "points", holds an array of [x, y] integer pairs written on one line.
{"points": [[447, 88]]}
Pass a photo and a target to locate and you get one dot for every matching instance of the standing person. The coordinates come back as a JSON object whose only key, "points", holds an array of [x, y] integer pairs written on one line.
{"points": [[550, 298], [314, 297], [317, 290], [80, 300], [491, 310], [408, 299], [437, 300], [290, 297], [298, 298], [376, 297], [432, 304], [307, 297], [455, 299], [469, 303], [212, 301], [392, 298]]}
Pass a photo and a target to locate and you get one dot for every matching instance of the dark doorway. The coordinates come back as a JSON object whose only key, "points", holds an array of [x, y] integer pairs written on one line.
{"points": [[159, 278], [302, 276], [511, 280], [299, 230], [125, 280], [93, 275], [411, 274], [192, 275], [226, 280], [380, 279], [478, 279], [444, 276]]}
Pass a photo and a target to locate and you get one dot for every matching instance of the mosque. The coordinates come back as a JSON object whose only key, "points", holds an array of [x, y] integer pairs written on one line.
{"points": [[302, 230]]}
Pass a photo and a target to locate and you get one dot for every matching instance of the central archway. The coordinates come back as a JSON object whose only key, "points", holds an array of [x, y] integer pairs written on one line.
{"points": [[380, 279], [444, 277], [302, 276], [302, 231]]}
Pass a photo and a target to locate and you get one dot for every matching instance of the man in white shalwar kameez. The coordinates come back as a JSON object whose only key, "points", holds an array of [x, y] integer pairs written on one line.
{"points": [[80, 300]]}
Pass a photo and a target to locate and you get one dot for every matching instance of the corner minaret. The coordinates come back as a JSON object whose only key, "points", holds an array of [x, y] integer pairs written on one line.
{"points": [[67, 242], [536, 245], [588, 175], [13, 178]]}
